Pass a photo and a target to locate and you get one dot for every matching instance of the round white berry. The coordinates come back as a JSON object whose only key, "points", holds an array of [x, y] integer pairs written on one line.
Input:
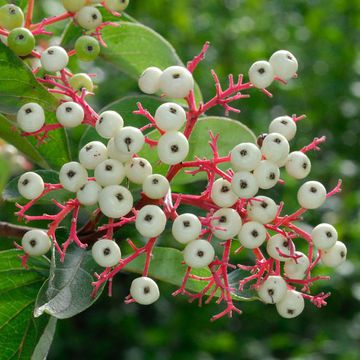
{"points": [[298, 165], [245, 156], [106, 253], [297, 268], [129, 140], [88, 194], [155, 186], [144, 290], [114, 153], [198, 254], [334, 256], [272, 290], [150, 221], [54, 58], [284, 64], [275, 147], [109, 172], [73, 176], [115, 201], [284, 125], [173, 147], [186, 228], [92, 154], [30, 117], [176, 82], [36, 242], [170, 117], [252, 234], [311, 195], [30, 185], [149, 80], [89, 17], [261, 74], [244, 184], [221, 193], [262, 209], [324, 236], [70, 114], [291, 305], [137, 170], [267, 174], [278, 247], [108, 124], [226, 223]]}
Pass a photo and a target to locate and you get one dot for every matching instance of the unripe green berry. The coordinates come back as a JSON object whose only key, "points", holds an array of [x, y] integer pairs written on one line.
{"points": [[87, 48], [11, 17], [81, 81], [117, 5], [21, 41]]}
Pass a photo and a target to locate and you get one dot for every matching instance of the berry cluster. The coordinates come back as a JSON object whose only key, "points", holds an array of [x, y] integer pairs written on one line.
{"points": [[230, 206]]}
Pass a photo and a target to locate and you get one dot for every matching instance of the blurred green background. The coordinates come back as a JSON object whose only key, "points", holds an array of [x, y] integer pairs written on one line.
{"points": [[324, 36]]}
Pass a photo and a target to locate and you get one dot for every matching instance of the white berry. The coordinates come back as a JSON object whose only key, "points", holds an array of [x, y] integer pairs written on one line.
{"points": [[89, 17], [36, 242], [311, 195], [298, 165], [30, 185], [114, 153], [262, 209], [108, 124], [129, 140], [284, 125], [155, 186], [144, 290], [92, 154], [297, 268], [73, 176], [30, 117], [291, 305], [109, 172], [222, 194], [170, 117], [176, 82], [324, 236], [88, 194], [284, 64], [278, 244], [261, 74], [70, 114], [252, 234], [150, 221], [173, 147], [244, 184], [272, 290], [137, 170], [115, 201], [226, 223], [106, 253], [267, 174], [186, 228], [334, 256], [54, 58], [245, 156], [149, 80], [198, 254], [275, 147]]}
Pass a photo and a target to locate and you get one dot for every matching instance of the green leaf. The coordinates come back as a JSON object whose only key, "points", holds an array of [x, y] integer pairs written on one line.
{"points": [[18, 86], [231, 132], [166, 266], [19, 331], [68, 290], [12, 194]]}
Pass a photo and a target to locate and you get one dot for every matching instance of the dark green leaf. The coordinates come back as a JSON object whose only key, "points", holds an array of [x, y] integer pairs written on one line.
{"points": [[19, 331], [68, 290]]}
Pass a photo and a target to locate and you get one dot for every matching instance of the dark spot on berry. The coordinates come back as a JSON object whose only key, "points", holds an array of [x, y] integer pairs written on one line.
{"points": [[21, 37], [148, 217], [141, 163], [304, 165], [176, 76], [313, 189], [254, 233], [200, 253], [289, 57], [261, 71], [101, 120], [272, 176], [146, 289], [155, 181], [25, 182], [128, 141], [290, 311], [264, 205], [88, 148], [261, 139], [12, 11], [186, 223], [243, 152], [108, 167], [285, 244], [173, 110], [28, 111], [277, 140], [222, 219], [106, 251], [342, 254], [119, 196], [271, 292], [328, 234], [284, 122], [90, 48], [224, 189], [50, 52], [83, 187], [71, 174], [32, 242], [174, 148], [243, 184], [94, 16], [68, 109]]}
